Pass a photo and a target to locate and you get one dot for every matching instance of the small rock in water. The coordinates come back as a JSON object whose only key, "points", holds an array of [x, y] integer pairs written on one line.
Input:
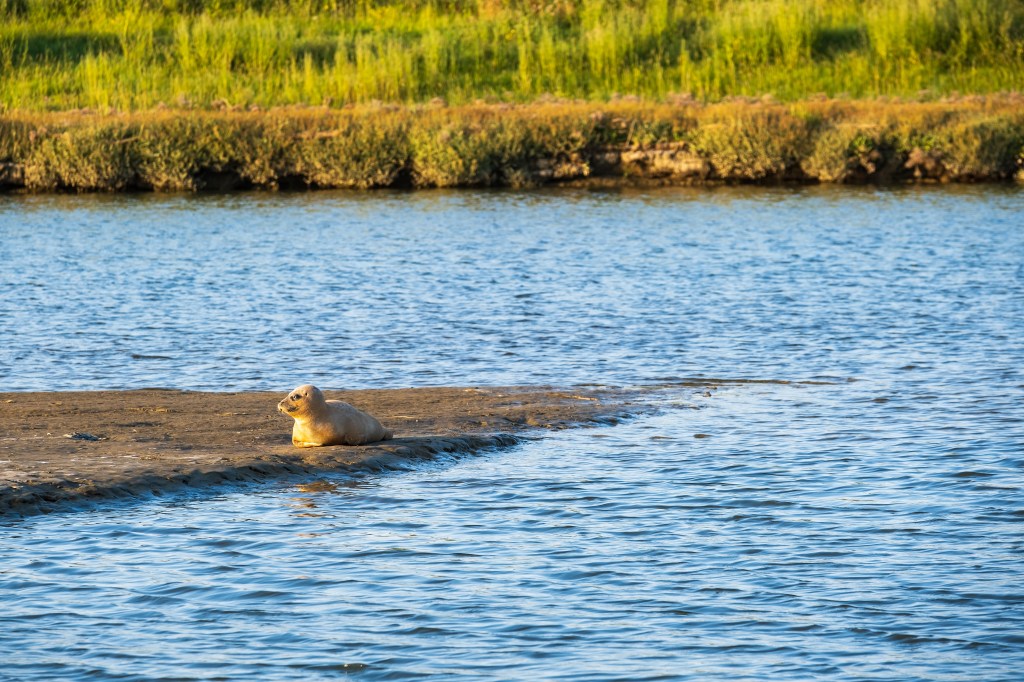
{"points": [[82, 435]]}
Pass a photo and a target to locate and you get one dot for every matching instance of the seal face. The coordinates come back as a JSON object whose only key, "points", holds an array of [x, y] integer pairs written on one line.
{"points": [[328, 422]]}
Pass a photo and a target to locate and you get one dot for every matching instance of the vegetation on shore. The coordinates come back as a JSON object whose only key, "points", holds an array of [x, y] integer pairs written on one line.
{"points": [[134, 55], [974, 138], [108, 95]]}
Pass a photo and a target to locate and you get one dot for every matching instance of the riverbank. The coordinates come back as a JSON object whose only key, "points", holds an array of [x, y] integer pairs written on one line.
{"points": [[970, 139], [62, 447]]}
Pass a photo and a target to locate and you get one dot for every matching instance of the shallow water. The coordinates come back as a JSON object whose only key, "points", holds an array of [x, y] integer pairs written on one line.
{"points": [[864, 528]]}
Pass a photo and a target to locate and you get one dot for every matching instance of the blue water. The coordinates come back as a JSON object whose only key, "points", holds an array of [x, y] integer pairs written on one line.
{"points": [[864, 527]]}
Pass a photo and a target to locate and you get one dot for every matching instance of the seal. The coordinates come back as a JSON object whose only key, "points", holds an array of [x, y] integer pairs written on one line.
{"points": [[328, 422]]}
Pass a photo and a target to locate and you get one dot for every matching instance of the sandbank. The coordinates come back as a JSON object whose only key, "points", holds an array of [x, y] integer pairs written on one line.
{"points": [[59, 448]]}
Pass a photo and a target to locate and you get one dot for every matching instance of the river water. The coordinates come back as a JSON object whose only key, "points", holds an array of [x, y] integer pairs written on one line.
{"points": [[864, 522]]}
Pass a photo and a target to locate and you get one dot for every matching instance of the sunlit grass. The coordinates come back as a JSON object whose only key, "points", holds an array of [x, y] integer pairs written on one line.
{"points": [[137, 54], [161, 93]]}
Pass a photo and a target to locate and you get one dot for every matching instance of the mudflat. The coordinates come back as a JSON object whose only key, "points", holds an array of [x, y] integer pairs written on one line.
{"points": [[61, 447]]}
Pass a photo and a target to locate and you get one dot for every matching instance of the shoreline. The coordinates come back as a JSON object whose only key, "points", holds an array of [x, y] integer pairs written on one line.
{"points": [[142, 443], [745, 141]]}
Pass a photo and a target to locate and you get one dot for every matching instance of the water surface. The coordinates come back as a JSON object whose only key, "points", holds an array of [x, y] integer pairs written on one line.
{"points": [[392, 289], [864, 528]]}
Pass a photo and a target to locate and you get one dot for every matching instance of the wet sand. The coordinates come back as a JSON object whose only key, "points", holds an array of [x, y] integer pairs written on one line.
{"points": [[62, 447]]}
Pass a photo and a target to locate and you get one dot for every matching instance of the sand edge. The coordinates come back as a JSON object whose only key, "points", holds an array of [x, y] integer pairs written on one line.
{"points": [[152, 442]]}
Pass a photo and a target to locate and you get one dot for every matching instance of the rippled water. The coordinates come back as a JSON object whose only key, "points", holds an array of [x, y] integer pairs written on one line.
{"points": [[262, 291], [866, 528]]}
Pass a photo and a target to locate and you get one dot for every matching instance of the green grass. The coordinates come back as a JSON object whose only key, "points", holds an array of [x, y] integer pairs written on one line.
{"points": [[134, 55], [182, 94]]}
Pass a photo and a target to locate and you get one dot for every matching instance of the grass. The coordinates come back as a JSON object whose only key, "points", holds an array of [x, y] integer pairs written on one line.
{"points": [[973, 138], [183, 94], [134, 55]]}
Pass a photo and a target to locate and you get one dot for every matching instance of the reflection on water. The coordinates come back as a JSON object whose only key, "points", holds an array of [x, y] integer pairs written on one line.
{"points": [[865, 529]]}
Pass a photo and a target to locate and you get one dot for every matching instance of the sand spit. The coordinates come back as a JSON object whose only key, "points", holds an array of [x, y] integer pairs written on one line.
{"points": [[62, 447]]}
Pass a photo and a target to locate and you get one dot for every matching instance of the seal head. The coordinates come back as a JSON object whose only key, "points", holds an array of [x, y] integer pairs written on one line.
{"points": [[300, 400]]}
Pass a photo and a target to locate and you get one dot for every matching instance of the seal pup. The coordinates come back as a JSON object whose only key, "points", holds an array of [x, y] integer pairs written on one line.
{"points": [[328, 422]]}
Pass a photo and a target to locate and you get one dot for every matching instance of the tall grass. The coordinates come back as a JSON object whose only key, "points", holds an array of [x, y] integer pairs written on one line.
{"points": [[138, 54]]}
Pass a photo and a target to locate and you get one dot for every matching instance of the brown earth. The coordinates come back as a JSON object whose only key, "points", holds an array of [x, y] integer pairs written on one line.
{"points": [[57, 448]]}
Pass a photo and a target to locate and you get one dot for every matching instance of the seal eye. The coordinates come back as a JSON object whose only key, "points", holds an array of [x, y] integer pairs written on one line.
{"points": [[296, 398]]}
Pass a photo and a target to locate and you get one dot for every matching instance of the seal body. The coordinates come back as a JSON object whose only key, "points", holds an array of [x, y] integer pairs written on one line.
{"points": [[328, 422]]}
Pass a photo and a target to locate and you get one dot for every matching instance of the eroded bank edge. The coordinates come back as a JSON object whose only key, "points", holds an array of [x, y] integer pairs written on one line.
{"points": [[29, 499]]}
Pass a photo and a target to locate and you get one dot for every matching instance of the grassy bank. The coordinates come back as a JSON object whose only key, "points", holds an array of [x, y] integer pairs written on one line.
{"points": [[976, 138], [137, 54]]}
